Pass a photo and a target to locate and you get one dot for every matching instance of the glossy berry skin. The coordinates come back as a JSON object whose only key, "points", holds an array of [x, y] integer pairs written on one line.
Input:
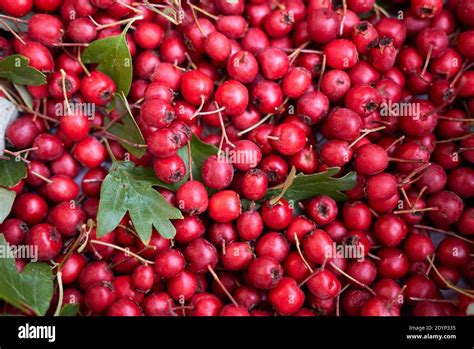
{"points": [[453, 252], [157, 112], [390, 230], [201, 255], [143, 278], [72, 268], [148, 35], [47, 240], [224, 206], [238, 256], [30, 208], [49, 147], [22, 132], [323, 25], [274, 63], [242, 66], [17, 8], [217, 46], [277, 216], [158, 304], [68, 218], [249, 225], [393, 264], [233, 96], [82, 30], [248, 155], [75, 126], [170, 169], [39, 56], [363, 99], [274, 245], [182, 286], [417, 247], [206, 304], [383, 54], [291, 139], [286, 297], [192, 197], [188, 229], [163, 143], [322, 209], [62, 188], [266, 96], [344, 124], [14, 231], [370, 159], [196, 87], [449, 206], [124, 307], [318, 246], [341, 54], [98, 88], [169, 263], [90, 152], [426, 8], [265, 272], [217, 173], [46, 29], [100, 296], [232, 310], [324, 285]]}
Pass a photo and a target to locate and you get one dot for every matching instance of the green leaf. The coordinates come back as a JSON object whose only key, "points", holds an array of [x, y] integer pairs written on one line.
{"points": [[31, 289], [69, 310], [200, 152], [7, 197], [11, 172], [114, 59], [16, 69], [307, 186], [130, 189], [128, 129], [25, 95], [183, 154], [17, 26]]}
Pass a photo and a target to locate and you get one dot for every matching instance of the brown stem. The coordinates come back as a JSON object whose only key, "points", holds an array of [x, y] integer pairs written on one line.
{"points": [[254, 126], [448, 283], [427, 60], [126, 251], [352, 279], [298, 248], [446, 232], [323, 68], [214, 275]]}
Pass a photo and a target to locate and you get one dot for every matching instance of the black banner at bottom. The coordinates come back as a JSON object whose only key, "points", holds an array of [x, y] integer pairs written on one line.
{"points": [[455, 332]]}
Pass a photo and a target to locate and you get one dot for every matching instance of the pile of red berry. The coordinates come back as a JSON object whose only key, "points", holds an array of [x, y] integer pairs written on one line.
{"points": [[282, 89]]}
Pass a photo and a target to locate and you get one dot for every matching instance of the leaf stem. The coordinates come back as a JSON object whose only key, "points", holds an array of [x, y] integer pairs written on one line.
{"points": [[446, 232], [59, 277], [214, 275], [448, 283], [352, 279], [126, 251], [286, 185]]}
